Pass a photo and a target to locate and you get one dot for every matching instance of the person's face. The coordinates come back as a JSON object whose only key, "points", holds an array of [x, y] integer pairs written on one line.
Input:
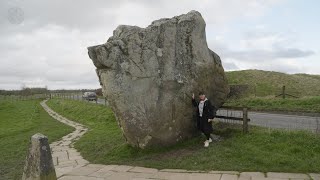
{"points": [[202, 97]]}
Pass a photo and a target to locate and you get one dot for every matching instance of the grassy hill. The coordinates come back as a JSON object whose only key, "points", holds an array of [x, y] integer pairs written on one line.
{"points": [[266, 83]]}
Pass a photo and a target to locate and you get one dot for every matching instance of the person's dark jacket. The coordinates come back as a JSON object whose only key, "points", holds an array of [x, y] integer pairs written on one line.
{"points": [[209, 112]]}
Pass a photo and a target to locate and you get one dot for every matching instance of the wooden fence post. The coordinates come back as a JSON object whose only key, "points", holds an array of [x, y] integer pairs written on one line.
{"points": [[245, 120], [283, 92]]}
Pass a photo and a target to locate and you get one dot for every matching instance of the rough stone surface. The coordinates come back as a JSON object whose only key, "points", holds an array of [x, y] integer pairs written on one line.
{"points": [[148, 76], [39, 164]]}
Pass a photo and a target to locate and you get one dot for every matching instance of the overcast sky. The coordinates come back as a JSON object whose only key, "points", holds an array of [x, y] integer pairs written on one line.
{"points": [[45, 42]]}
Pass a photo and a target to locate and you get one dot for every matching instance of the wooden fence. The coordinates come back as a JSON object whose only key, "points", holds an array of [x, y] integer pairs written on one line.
{"points": [[26, 97], [238, 114]]}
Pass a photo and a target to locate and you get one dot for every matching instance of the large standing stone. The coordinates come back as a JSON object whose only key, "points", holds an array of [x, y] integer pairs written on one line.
{"points": [[148, 76], [39, 164]]}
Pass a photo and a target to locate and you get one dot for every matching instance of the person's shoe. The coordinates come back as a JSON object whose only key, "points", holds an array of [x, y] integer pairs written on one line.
{"points": [[210, 140], [206, 143]]}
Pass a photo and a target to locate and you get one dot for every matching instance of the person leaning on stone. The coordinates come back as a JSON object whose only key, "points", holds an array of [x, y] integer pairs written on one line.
{"points": [[205, 115]]}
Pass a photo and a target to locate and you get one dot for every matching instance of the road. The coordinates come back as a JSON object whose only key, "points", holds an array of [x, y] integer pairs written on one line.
{"points": [[79, 97], [268, 120], [278, 121]]}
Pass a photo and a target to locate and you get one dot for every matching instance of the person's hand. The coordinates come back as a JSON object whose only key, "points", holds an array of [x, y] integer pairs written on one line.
{"points": [[192, 95]]}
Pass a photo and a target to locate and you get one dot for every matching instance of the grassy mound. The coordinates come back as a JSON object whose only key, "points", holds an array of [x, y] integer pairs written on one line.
{"points": [[305, 104], [260, 150], [266, 83]]}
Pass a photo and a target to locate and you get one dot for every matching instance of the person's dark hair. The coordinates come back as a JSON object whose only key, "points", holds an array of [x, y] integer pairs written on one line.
{"points": [[201, 93]]}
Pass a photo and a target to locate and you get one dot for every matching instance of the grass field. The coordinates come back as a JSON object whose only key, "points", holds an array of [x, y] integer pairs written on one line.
{"points": [[260, 150], [270, 83], [19, 120], [265, 85], [305, 104]]}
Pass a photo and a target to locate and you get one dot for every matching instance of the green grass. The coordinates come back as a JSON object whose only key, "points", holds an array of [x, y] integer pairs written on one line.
{"points": [[265, 85], [270, 82], [260, 150], [19, 120], [306, 104]]}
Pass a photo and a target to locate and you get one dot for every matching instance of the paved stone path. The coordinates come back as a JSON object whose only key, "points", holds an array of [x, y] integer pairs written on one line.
{"points": [[65, 157], [70, 165]]}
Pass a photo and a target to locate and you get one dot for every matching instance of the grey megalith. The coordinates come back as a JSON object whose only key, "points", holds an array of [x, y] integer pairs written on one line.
{"points": [[148, 76]]}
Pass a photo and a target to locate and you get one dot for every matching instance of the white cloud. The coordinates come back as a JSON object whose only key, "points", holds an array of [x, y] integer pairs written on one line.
{"points": [[49, 47], [47, 55], [261, 48]]}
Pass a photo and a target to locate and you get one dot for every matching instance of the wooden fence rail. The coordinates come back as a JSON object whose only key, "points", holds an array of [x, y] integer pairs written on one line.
{"points": [[244, 118]]}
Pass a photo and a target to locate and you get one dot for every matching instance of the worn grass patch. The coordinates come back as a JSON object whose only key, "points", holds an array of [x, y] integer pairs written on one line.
{"points": [[19, 120], [260, 150]]}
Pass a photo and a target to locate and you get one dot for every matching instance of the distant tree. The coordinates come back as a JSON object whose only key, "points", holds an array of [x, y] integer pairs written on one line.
{"points": [[25, 91], [32, 90]]}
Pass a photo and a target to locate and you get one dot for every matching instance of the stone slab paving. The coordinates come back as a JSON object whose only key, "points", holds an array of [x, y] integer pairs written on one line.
{"points": [[65, 157], [70, 165], [315, 176]]}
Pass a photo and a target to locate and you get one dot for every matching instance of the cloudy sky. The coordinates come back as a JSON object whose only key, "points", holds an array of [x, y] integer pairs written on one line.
{"points": [[44, 42]]}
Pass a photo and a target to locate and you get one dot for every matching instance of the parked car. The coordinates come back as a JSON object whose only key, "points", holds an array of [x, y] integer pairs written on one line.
{"points": [[90, 96]]}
